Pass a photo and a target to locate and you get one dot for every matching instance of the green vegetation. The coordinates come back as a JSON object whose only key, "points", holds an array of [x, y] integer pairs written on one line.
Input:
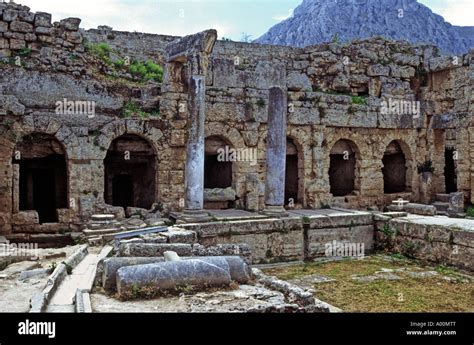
{"points": [[132, 108], [470, 212], [147, 71], [409, 249], [426, 166], [408, 294], [388, 231], [359, 100], [143, 71], [24, 52]]}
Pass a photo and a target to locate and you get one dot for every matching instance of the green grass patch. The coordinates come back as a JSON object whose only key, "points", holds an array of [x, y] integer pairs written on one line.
{"points": [[433, 294]]}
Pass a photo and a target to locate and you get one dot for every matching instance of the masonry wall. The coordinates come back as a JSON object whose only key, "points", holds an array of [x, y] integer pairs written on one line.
{"points": [[334, 92]]}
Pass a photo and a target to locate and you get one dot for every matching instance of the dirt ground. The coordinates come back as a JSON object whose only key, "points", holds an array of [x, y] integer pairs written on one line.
{"points": [[15, 295]]}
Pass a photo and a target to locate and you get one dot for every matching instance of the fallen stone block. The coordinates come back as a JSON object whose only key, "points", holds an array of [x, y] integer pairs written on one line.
{"points": [[177, 235], [421, 209], [169, 276], [36, 273]]}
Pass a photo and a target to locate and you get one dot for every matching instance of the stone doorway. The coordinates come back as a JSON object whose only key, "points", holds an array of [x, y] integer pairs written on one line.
{"points": [[291, 173], [342, 168], [394, 169], [217, 169], [450, 177], [218, 174], [130, 172], [41, 176]]}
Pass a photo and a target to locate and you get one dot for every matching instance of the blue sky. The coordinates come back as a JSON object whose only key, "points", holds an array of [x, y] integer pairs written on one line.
{"points": [[231, 18]]}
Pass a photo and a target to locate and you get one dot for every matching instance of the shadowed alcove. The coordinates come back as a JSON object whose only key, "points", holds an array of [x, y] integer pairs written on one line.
{"points": [[40, 162], [130, 172]]}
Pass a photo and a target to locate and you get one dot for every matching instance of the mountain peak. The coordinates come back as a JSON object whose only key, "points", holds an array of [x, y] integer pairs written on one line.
{"points": [[318, 21]]}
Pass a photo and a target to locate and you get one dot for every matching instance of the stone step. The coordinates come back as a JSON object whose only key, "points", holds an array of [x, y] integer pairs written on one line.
{"points": [[94, 241], [103, 225], [100, 232], [102, 217], [441, 206], [442, 197]]}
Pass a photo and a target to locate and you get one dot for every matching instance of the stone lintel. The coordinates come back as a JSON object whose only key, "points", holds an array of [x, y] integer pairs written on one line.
{"points": [[181, 49]]}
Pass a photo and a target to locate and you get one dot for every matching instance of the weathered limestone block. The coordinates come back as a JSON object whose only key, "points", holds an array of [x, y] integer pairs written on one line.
{"points": [[298, 82], [25, 218], [21, 26], [41, 30], [442, 63], [17, 44], [219, 194], [292, 292], [464, 238], [3, 27], [425, 210], [172, 275], [43, 19], [240, 249], [404, 59], [378, 70], [303, 116], [456, 203], [71, 24], [9, 15], [11, 104], [26, 16], [405, 72], [74, 37], [154, 249], [178, 235], [30, 37], [136, 211]]}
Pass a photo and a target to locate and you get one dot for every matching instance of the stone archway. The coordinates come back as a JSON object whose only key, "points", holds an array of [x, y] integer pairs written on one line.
{"points": [[40, 176], [344, 162], [395, 168], [130, 172]]}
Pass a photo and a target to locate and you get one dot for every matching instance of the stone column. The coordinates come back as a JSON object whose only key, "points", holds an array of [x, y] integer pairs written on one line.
{"points": [[276, 153], [194, 183]]}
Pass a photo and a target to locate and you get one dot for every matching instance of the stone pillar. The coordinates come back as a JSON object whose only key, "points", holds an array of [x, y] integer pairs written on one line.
{"points": [[276, 153], [194, 183]]}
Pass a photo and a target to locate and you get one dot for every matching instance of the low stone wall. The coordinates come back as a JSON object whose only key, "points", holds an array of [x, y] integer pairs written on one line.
{"points": [[292, 238], [440, 244]]}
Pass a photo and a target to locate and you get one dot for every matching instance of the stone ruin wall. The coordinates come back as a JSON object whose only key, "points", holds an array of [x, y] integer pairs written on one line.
{"points": [[320, 82]]}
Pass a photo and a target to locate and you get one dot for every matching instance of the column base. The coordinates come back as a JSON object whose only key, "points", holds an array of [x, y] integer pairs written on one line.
{"points": [[275, 211], [191, 216]]}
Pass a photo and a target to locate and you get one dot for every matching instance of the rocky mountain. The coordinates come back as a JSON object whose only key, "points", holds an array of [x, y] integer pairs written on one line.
{"points": [[317, 21]]}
